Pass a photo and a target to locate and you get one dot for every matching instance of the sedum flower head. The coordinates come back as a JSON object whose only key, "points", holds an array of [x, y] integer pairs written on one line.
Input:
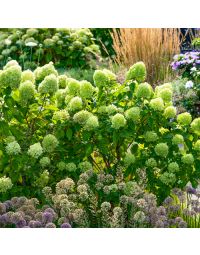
{"points": [[49, 85], [197, 145], [26, 91], [133, 114], [170, 112], [151, 162], [162, 149], [49, 143], [42, 72], [166, 95], [137, 72], [35, 150], [85, 166], [81, 117], [11, 77], [13, 148], [157, 104], [129, 159], [178, 139], [173, 167], [100, 79], [144, 91], [188, 159], [168, 178], [28, 75], [62, 81], [195, 125], [75, 104], [73, 86], [184, 119], [70, 167], [118, 121], [45, 161], [92, 123], [150, 136], [5, 184], [86, 89]]}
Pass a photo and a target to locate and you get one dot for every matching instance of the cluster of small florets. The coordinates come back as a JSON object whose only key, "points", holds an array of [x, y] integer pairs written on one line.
{"points": [[133, 114], [35, 150], [13, 148], [45, 161], [86, 89], [170, 112], [184, 118], [91, 123], [195, 125], [11, 76], [197, 145], [137, 72], [75, 104], [62, 81], [129, 159], [5, 184], [102, 78], [157, 104], [178, 139], [49, 85], [61, 115], [166, 95], [118, 121], [85, 166], [151, 162], [26, 91], [150, 136], [41, 72], [81, 117], [188, 159], [144, 91], [49, 143], [168, 178], [162, 149], [173, 167]]}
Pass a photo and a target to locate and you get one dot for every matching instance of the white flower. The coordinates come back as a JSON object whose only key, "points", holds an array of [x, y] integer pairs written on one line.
{"points": [[7, 42], [189, 84], [31, 44], [193, 69]]}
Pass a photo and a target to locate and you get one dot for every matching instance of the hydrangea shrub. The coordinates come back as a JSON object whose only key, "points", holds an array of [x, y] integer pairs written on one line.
{"points": [[57, 127]]}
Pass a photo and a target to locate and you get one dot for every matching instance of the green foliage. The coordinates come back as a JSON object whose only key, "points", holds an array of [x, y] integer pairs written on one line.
{"points": [[67, 127]]}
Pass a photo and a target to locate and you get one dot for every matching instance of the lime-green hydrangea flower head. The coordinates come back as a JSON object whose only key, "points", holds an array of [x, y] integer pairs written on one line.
{"points": [[75, 104], [188, 159], [49, 143], [197, 145], [100, 79], [137, 72], [26, 91], [70, 167], [92, 123], [61, 115], [62, 81], [157, 104], [166, 95], [118, 121], [10, 63], [85, 166], [111, 76], [133, 114], [35, 150], [44, 162], [11, 77], [86, 89], [73, 86], [13, 148], [184, 119], [111, 109], [178, 139], [5, 184], [151, 162], [150, 136], [61, 166], [81, 117], [28, 75], [42, 72], [173, 167], [129, 159], [168, 178], [195, 125], [170, 112], [49, 42], [158, 89], [144, 91], [60, 97], [49, 85], [162, 149]]}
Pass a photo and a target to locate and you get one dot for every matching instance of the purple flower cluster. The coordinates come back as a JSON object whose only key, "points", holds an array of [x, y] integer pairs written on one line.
{"points": [[187, 60]]}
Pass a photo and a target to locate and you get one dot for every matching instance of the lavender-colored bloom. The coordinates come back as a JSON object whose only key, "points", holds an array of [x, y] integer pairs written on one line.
{"points": [[168, 201], [189, 84], [159, 224], [65, 225], [21, 224], [191, 190], [35, 224], [8, 204], [182, 224], [47, 217], [50, 225], [161, 210], [2, 208], [4, 218]]}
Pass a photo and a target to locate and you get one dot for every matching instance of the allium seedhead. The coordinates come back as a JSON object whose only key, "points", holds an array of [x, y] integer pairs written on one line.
{"points": [[162, 149], [139, 217], [133, 114], [73, 86], [2, 208], [144, 91], [137, 72], [45, 161], [182, 224], [49, 143], [65, 186], [13, 148], [129, 159], [195, 125], [159, 224], [65, 225], [92, 123], [188, 159], [35, 150], [28, 75], [105, 206], [49, 85], [75, 104], [173, 167], [5, 184], [86, 89], [170, 112], [150, 136], [157, 104], [184, 118], [118, 121], [47, 217], [11, 77]]}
